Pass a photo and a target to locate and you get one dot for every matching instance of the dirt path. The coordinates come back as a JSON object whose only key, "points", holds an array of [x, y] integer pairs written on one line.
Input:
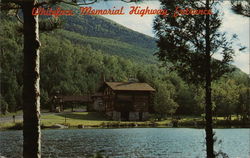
{"points": [[10, 118]]}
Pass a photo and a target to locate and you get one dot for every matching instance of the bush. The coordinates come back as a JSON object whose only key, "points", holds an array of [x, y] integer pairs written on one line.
{"points": [[17, 126], [4, 106], [99, 155]]}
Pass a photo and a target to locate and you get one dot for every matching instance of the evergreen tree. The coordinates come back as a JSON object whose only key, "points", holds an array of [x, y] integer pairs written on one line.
{"points": [[188, 42], [31, 70]]}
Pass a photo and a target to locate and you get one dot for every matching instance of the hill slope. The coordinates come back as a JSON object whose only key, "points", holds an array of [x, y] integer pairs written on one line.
{"points": [[109, 37], [71, 64], [98, 26]]}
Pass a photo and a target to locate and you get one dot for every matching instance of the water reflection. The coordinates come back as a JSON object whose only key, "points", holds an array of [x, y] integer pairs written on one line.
{"points": [[133, 142]]}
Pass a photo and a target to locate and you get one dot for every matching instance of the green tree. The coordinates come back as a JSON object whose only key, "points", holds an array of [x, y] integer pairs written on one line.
{"points": [[190, 100], [10, 64], [4, 105], [189, 42], [243, 106], [225, 97], [164, 103]]}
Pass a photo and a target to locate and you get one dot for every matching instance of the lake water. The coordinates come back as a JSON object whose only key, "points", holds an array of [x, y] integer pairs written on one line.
{"points": [[130, 142]]}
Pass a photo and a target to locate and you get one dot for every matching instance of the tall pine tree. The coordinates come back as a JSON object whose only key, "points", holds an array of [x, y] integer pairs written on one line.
{"points": [[187, 43], [31, 72]]}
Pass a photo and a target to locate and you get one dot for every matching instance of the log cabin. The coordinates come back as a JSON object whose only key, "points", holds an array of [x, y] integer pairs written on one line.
{"points": [[127, 101]]}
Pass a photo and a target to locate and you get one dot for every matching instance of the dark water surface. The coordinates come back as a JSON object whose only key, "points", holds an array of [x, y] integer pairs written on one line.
{"points": [[130, 142]]}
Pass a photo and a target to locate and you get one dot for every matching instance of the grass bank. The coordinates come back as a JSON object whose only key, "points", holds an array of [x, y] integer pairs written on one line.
{"points": [[97, 120], [87, 120]]}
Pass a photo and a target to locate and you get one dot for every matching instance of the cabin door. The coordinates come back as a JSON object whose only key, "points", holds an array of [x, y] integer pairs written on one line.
{"points": [[125, 107], [140, 116], [125, 116]]}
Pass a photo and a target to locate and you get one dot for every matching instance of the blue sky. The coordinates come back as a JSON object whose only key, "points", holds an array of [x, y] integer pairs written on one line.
{"points": [[232, 24]]}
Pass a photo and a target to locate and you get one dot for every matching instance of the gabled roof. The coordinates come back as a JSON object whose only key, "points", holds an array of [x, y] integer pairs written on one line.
{"points": [[129, 86]]}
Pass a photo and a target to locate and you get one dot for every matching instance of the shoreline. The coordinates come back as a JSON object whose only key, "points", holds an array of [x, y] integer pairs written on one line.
{"points": [[87, 120], [18, 126]]}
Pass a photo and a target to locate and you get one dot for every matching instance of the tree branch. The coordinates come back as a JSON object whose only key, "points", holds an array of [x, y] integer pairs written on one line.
{"points": [[9, 6]]}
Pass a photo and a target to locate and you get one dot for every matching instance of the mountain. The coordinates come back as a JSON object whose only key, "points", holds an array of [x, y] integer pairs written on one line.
{"points": [[98, 26], [109, 37], [74, 59]]}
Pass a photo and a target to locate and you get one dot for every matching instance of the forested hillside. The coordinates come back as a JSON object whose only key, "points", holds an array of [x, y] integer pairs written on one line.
{"points": [[97, 26], [75, 57], [110, 37], [111, 46]]}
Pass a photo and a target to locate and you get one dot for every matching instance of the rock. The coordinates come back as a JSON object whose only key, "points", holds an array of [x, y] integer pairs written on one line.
{"points": [[80, 126], [58, 126]]}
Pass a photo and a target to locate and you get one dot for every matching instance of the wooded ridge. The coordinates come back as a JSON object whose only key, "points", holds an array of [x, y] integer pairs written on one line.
{"points": [[74, 58]]}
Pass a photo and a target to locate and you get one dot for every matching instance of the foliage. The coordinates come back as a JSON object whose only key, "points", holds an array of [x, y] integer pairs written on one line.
{"points": [[74, 65], [243, 107], [241, 7], [97, 26], [188, 43], [225, 97], [182, 42], [163, 103]]}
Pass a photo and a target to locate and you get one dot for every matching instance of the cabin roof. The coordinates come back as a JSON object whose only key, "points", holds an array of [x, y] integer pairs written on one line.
{"points": [[129, 86]]}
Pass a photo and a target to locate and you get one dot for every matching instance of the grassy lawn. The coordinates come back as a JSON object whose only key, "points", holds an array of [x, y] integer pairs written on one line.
{"points": [[92, 119], [74, 119], [7, 125]]}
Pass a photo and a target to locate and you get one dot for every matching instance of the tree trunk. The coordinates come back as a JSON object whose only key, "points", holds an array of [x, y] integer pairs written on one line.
{"points": [[31, 89], [209, 126]]}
